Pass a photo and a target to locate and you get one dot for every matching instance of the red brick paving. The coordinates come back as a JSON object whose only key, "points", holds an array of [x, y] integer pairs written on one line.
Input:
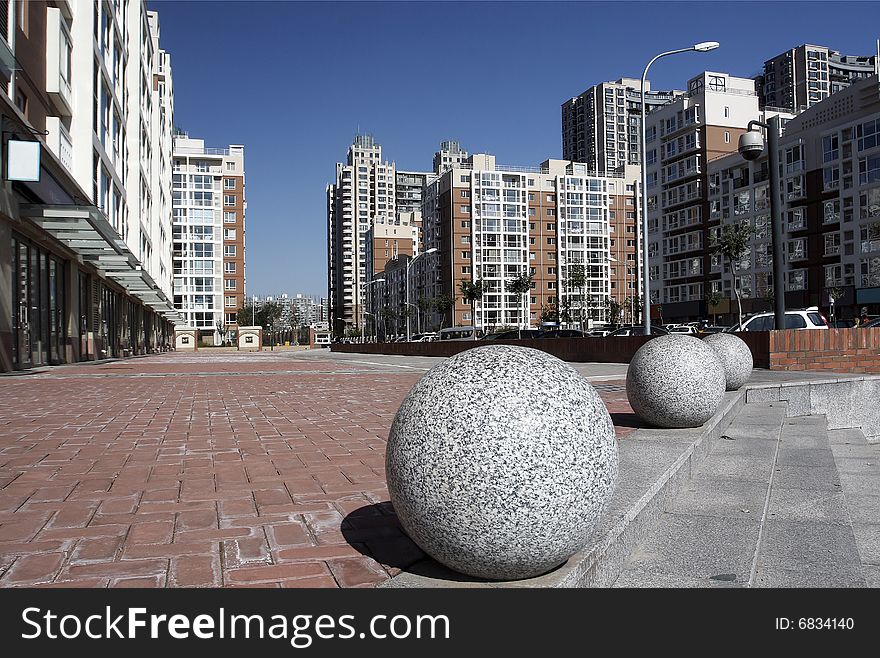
{"points": [[205, 470]]}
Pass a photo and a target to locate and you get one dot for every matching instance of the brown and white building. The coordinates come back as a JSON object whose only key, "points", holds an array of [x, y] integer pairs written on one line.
{"points": [[492, 223], [209, 235], [682, 138]]}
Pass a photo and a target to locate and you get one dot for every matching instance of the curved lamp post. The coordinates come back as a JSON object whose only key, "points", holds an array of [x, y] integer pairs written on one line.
{"points": [[702, 47]]}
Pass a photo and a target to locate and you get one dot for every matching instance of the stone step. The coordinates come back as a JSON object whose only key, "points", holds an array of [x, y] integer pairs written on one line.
{"points": [[764, 508], [858, 465]]}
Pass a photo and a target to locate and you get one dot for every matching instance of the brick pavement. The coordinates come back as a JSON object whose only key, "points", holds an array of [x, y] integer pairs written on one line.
{"points": [[203, 470]]}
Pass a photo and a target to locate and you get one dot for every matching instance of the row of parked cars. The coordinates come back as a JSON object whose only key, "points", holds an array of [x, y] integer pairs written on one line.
{"points": [[808, 318]]}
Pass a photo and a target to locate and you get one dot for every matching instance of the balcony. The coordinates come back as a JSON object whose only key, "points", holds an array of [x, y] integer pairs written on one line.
{"points": [[59, 142], [58, 53]]}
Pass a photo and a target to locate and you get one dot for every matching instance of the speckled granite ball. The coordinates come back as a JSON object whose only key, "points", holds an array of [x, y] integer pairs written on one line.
{"points": [[735, 357], [675, 381], [500, 461]]}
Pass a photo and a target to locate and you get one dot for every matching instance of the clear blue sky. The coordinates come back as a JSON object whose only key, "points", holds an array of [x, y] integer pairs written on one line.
{"points": [[293, 82]]}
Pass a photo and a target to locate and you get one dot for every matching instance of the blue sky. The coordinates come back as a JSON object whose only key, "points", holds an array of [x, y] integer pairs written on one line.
{"points": [[294, 81]]}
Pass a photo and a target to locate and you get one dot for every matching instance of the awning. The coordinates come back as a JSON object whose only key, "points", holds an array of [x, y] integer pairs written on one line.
{"points": [[85, 231]]}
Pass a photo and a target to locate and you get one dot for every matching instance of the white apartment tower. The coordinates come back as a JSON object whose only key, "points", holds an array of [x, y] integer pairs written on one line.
{"points": [[362, 197], [208, 234], [106, 71]]}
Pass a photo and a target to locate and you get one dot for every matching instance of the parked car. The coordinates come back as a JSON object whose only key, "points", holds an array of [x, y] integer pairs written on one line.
{"points": [[684, 329], [459, 333], [872, 323], [598, 333], [428, 337], [639, 330], [842, 324], [808, 318], [561, 333], [518, 334], [712, 330]]}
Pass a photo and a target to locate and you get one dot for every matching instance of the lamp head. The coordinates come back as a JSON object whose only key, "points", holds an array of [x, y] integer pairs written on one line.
{"points": [[706, 46]]}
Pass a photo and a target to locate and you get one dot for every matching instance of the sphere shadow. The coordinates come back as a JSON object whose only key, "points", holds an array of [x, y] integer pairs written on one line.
{"points": [[375, 532]]}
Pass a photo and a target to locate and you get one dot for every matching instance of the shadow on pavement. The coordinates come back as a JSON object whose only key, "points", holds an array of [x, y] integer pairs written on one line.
{"points": [[624, 419], [375, 532]]}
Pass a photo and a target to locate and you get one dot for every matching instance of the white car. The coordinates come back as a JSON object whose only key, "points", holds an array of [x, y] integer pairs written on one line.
{"points": [[809, 318], [683, 329]]}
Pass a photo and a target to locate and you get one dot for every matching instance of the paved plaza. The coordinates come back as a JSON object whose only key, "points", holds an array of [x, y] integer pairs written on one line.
{"points": [[211, 469]]}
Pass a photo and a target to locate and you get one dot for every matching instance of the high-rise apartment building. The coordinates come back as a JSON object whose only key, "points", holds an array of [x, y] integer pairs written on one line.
{"points": [[374, 214], [830, 157], [682, 139], [449, 154], [601, 127], [85, 236], [209, 234], [803, 76], [493, 223]]}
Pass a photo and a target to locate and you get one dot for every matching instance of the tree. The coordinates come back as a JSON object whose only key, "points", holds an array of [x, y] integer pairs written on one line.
{"points": [[442, 304], [732, 245], [713, 298], [221, 329], [614, 311], [520, 285], [471, 291], [577, 278], [423, 304]]}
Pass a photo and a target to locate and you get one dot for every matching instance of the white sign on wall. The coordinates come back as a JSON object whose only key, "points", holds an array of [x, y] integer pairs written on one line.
{"points": [[22, 160]]}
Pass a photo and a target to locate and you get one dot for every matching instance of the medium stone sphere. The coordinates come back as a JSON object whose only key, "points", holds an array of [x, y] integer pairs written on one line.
{"points": [[735, 357], [500, 461], [675, 381]]}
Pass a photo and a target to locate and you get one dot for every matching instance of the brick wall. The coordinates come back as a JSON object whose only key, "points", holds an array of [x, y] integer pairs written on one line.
{"points": [[838, 350]]}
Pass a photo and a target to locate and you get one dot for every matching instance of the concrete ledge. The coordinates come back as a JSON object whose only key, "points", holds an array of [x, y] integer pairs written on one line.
{"points": [[848, 402], [653, 465]]}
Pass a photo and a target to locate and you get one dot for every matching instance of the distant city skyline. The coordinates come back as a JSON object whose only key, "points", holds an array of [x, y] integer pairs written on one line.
{"points": [[451, 71]]}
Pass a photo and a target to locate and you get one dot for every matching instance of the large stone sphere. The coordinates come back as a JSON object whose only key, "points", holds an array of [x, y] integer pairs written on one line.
{"points": [[500, 461], [735, 357], [675, 381]]}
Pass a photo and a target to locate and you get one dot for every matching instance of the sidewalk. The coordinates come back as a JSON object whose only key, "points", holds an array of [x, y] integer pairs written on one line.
{"points": [[211, 469]]}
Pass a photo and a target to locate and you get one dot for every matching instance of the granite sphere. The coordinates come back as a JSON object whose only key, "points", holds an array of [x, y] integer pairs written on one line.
{"points": [[735, 357], [675, 381], [500, 461]]}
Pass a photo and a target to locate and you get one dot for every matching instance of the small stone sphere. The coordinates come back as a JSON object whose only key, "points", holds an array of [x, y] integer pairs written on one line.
{"points": [[735, 357], [500, 461], [675, 381]]}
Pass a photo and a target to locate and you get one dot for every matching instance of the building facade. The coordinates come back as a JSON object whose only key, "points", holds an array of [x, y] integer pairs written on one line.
{"points": [[84, 235], [492, 223], [374, 214], [209, 208], [801, 77], [601, 127], [682, 138], [830, 196]]}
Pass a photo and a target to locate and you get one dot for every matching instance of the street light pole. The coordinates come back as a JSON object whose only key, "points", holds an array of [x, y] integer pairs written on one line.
{"points": [[702, 47], [751, 145]]}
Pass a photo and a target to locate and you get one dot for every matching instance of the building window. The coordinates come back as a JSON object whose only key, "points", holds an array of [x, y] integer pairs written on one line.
{"points": [[231, 284], [229, 251], [228, 183], [229, 234], [231, 302], [465, 210], [228, 217], [229, 268], [230, 166], [727, 137], [228, 200], [465, 194]]}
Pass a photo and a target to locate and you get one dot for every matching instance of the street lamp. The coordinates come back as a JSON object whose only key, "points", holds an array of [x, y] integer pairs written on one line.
{"points": [[408, 265], [702, 47], [751, 145]]}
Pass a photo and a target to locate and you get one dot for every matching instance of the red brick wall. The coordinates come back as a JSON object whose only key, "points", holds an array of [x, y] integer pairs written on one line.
{"points": [[839, 350]]}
